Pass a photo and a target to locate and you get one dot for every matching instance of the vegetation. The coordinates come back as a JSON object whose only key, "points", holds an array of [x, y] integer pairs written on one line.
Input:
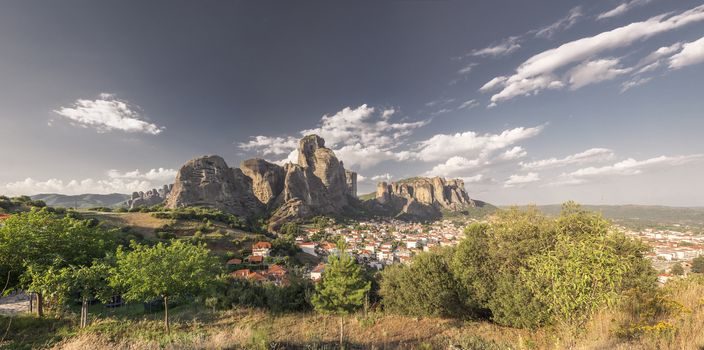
{"points": [[524, 270], [165, 272], [698, 264], [343, 288]]}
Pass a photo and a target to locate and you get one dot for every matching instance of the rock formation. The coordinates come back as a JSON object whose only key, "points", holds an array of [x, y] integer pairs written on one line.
{"points": [[421, 197], [208, 182], [149, 198], [317, 185]]}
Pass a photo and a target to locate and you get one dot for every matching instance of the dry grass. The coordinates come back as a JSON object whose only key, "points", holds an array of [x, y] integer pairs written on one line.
{"points": [[256, 329]]}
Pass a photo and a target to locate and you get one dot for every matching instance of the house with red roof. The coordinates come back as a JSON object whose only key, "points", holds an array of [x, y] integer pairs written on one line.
{"points": [[261, 248]]}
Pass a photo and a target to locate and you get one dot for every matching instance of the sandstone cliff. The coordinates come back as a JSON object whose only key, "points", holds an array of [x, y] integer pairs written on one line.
{"points": [[421, 197], [317, 185]]}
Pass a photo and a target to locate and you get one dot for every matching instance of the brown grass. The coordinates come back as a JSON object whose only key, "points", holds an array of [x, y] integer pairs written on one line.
{"points": [[244, 328]]}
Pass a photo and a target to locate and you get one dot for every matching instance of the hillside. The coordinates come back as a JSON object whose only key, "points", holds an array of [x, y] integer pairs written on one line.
{"points": [[641, 214], [82, 201]]}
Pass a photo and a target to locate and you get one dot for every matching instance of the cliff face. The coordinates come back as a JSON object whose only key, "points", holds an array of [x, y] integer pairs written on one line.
{"points": [[318, 184], [421, 197]]}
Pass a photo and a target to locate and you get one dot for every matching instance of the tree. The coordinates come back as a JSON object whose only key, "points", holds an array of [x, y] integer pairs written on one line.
{"points": [[425, 288], [698, 264], [165, 271], [677, 269], [45, 242], [342, 288]]}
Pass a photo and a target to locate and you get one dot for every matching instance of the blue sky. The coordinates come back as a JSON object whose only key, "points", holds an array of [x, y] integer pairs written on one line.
{"points": [[529, 102]]}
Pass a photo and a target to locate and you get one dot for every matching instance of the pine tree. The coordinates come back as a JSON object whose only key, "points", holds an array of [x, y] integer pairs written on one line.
{"points": [[342, 289]]}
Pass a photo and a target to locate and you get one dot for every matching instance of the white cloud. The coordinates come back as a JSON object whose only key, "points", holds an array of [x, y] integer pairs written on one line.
{"points": [[270, 145], [455, 166], [469, 104], [595, 71], [621, 9], [479, 178], [517, 180], [563, 23], [466, 69], [539, 72], [159, 175], [516, 152], [590, 155], [625, 168], [627, 85], [106, 114], [360, 137], [382, 177], [362, 125], [116, 182], [444, 146], [505, 47], [692, 53], [493, 84], [362, 156]]}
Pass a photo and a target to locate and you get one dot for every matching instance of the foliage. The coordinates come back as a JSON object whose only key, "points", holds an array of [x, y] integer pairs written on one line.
{"points": [[425, 288], [342, 288], [698, 264], [43, 240], [201, 214], [677, 269], [525, 270], [167, 272]]}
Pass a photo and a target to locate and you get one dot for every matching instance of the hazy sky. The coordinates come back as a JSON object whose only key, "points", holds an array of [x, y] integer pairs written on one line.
{"points": [[528, 101]]}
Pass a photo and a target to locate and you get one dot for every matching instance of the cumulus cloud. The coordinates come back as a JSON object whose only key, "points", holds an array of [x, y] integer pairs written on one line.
{"points": [[692, 53], [626, 167], [116, 182], [516, 152], [563, 23], [540, 71], [382, 177], [270, 145], [444, 146], [588, 156], [621, 9], [108, 113], [360, 137], [455, 166], [519, 180], [505, 47]]}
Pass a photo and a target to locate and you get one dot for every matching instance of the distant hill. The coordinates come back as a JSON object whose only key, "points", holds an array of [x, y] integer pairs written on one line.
{"points": [[82, 200], [641, 214]]}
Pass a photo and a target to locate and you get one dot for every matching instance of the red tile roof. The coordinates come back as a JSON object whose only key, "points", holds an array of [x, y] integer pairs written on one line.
{"points": [[261, 245], [234, 261], [255, 259]]}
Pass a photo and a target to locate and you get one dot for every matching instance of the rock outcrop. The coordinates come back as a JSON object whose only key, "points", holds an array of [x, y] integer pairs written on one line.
{"points": [[149, 198], [317, 185], [421, 197], [208, 182]]}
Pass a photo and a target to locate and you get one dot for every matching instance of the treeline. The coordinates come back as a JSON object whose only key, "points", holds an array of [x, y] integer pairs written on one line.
{"points": [[523, 269]]}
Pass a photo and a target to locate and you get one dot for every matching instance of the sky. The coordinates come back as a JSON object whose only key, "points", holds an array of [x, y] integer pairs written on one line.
{"points": [[528, 102]]}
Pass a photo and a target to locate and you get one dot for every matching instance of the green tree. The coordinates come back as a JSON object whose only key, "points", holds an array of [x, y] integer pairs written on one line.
{"points": [[166, 271], [698, 264], [426, 287], [677, 269], [342, 288], [46, 242]]}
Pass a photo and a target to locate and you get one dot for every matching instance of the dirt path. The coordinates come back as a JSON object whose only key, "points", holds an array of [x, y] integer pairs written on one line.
{"points": [[14, 304]]}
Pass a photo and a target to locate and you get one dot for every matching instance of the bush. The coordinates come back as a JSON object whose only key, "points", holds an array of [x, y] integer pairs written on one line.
{"points": [[425, 288]]}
